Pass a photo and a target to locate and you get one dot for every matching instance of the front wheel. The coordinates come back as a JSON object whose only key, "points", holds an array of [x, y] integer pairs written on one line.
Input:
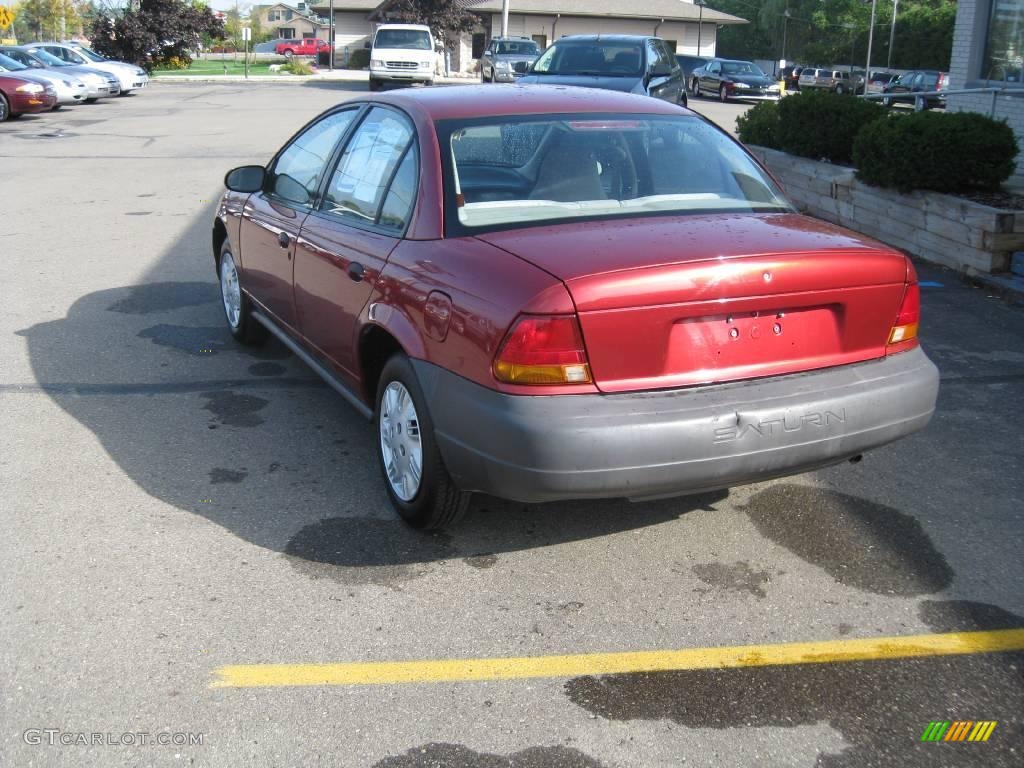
{"points": [[695, 88], [723, 94], [237, 307], [840, 90], [289, 54], [5, 109], [417, 483]]}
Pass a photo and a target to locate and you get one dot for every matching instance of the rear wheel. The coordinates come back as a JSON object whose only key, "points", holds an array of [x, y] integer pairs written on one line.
{"points": [[91, 100], [5, 109], [237, 307], [417, 483], [840, 89]]}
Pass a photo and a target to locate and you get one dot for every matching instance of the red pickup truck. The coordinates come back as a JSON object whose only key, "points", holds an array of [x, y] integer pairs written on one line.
{"points": [[307, 46]]}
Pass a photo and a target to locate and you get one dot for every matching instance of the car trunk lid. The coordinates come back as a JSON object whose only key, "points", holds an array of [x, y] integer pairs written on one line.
{"points": [[678, 301]]}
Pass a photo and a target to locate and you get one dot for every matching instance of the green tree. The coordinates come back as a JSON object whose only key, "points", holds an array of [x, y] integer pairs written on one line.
{"points": [[155, 32], [447, 19], [46, 20]]}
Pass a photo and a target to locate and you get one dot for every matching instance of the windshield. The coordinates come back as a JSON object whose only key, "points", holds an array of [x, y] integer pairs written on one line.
{"points": [[411, 39], [518, 47], [47, 58], [741, 68], [515, 171], [591, 58], [10, 64], [89, 53]]}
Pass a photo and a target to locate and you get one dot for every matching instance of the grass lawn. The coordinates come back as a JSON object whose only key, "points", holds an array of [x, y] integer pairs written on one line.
{"points": [[204, 67]]}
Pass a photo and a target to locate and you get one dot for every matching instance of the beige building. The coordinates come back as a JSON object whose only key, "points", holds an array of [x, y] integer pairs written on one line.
{"points": [[287, 21]]}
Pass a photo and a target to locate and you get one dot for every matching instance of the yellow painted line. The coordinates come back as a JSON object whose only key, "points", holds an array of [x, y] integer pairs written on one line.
{"points": [[462, 670]]}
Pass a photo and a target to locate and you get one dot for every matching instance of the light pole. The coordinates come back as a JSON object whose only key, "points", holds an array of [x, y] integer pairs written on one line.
{"points": [[785, 26], [330, 36], [700, 21], [871, 38], [892, 32], [504, 18]]}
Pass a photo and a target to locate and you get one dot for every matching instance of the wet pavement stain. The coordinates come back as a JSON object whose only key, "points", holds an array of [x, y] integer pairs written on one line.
{"points": [[138, 213], [200, 342], [363, 550], [441, 755], [966, 616], [880, 707], [267, 369], [859, 543], [221, 475], [482, 561], [148, 298], [738, 577], [234, 410]]}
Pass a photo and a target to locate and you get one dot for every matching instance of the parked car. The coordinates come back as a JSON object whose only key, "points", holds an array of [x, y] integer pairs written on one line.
{"points": [[689, 63], [554, 293], [307, 46], [130, 77], [69, 90], [903, 89], [402, 53], [629, 63], [23, 96], [99, 84], [835, 80], [507, 59], [733, 79], [879, 80], [790, 75]]}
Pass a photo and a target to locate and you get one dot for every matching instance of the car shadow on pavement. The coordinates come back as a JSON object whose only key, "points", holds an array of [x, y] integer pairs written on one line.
{"points": [[253, 441]]}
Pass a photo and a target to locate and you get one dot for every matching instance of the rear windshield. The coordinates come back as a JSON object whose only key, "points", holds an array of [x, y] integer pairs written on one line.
{"points": [[591, 58], [412, 39], [518, 47], [516, 171]]}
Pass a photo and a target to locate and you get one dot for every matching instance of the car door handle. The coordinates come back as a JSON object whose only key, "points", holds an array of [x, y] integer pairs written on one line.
{"points": [[284, 240], [356, 271]]}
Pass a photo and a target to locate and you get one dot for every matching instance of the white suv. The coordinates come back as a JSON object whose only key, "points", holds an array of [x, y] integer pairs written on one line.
{"points": [[402, 53]]}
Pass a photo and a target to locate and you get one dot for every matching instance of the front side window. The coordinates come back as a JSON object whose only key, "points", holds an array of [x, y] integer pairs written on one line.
{"points": [[591, 58], [516, 171], [1004, 45], [298, 170], [366, 167]]}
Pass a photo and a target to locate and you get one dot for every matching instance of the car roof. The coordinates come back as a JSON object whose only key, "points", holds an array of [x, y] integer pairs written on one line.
{"points": [[470, 101], [607, 38]]}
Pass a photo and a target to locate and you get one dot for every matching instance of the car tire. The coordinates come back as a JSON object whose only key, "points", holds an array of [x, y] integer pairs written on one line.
{"points": [[484, 78], [289, 53], [5, 108], [683, 101], [840, 90], [375, 84], [404, 427], [237, 306], [91, 100], [695, 88], [723, 94]]}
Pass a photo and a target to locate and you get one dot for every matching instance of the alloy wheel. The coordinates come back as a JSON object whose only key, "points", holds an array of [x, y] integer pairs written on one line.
{"points": [[400, 443], [230, 290]]}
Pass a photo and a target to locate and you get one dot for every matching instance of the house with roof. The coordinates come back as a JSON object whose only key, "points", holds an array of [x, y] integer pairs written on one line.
{"points": [[290, 22], [686, 25]]}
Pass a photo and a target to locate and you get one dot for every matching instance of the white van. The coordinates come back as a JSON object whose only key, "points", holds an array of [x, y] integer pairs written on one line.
{"points": [[402, 53]]}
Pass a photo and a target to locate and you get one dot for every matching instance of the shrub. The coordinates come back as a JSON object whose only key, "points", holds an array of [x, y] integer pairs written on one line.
{"points": [[943, 151], [360, 59], [760, 125], [297, 67], [822, 125], [172, 62]]}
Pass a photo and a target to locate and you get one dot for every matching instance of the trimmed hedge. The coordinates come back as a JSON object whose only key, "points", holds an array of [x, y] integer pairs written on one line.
{"points": [[760, 125], [359, 59], [942, 151], [822, 125]]}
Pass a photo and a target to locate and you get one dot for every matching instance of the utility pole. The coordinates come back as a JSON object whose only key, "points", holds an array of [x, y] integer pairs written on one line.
{"points": [[871, 38], [700, 22], [504, 18], [785, 28], [892, 32]]}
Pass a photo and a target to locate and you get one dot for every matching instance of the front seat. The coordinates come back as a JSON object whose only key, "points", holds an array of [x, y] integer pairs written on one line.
{"points": [[568, 174]]}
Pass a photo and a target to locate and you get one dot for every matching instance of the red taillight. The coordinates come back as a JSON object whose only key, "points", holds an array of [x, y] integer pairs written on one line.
{"points": [[543, 349], [903, 335]]}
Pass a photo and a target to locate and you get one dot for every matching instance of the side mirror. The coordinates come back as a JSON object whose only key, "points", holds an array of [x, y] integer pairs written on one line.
{"points": [[248, 178]]}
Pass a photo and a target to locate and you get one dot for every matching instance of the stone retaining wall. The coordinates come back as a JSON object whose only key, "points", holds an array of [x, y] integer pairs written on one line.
{"points": [[941, 228]]}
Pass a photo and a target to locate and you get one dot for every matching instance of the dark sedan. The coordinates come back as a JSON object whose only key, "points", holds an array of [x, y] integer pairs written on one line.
{"points": [[733, 79], [23, 96], [628, 63]]}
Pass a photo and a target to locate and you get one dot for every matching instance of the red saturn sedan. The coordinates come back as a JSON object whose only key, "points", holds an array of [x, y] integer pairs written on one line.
{"points": [[545, 293], [24, 95]]}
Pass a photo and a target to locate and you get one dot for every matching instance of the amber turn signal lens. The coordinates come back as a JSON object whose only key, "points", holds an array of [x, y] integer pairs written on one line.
{"points": [[903, 335], [543, 349]]}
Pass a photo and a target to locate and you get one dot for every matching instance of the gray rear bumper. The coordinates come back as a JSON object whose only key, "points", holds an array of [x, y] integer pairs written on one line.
{"points": [[650, 444]]}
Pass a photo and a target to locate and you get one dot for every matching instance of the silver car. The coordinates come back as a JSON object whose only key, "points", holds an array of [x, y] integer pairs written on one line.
{"points": [[507, 59], [98, 84], [69, 88], [130, 77]]}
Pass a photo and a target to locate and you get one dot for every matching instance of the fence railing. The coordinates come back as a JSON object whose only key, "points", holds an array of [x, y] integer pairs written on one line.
{"points": [[920, 98]]}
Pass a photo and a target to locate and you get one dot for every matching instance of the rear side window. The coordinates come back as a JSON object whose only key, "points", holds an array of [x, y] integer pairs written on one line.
{"points": [[298, 170], [398, 204], [367, 166]]}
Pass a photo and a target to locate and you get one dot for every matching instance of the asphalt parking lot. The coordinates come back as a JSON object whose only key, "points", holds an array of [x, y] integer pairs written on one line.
{"points": [[181, 512]]}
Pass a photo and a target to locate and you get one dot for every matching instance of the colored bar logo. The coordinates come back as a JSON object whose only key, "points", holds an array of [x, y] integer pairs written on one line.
{"points": [[958, 730]]}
